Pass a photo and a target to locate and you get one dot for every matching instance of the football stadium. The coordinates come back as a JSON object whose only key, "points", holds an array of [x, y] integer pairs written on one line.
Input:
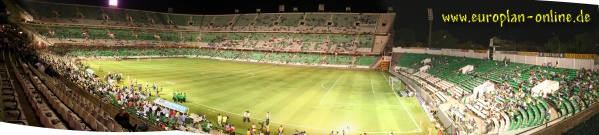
{"points": [[110, 69]]}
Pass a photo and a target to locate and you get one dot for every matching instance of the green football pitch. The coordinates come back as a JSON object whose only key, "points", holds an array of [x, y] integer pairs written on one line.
{"points": [[316, 100]]}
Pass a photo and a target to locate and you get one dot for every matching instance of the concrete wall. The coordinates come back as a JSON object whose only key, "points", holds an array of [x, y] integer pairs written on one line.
{"points": [[448, 52], [533, 60], [536, 60]]}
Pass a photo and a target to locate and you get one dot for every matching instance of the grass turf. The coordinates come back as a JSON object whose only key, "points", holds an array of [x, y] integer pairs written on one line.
{"points": [[316, 100]]}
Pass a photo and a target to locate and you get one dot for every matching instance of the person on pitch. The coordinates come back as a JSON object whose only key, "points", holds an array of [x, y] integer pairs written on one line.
{"points": [[245, 116], [253, 128], [219, 120], [174, 96], [281, 130], [267, 118], [248, 117]]}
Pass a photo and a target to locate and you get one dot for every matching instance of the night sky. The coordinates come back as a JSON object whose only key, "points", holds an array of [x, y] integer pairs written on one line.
{"points": [[410, 14]]}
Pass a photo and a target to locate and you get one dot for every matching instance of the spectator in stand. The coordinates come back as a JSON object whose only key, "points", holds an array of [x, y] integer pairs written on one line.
{"points": [[123, 119], [232, 129], [182, 119], [227, 128]]}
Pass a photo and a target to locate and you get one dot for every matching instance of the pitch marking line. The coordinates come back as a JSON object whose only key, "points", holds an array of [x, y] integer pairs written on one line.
{"points": [[404, 107], [325, 95], [337, 103], [384, 77], [372, 86], [321, 84], [170, 82]]}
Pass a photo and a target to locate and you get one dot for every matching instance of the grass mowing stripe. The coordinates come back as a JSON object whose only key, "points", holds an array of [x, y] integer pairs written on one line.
{"points": [[290, 93], [298, 106], [212, 90], [163, 72], [277, 99], [249, 92], [204, 76]]}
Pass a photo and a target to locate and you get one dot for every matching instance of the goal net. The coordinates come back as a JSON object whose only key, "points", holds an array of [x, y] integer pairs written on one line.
{"points": [[395, 83]]}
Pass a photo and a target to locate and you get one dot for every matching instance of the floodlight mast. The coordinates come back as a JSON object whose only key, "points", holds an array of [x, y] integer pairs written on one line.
{"points": [[430, 25]]}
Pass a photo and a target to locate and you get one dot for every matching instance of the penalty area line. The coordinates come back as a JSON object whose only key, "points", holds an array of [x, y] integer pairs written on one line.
{"points": [[384, 77], [321, 84], [404, 106], [372, 86], [325, 95]]}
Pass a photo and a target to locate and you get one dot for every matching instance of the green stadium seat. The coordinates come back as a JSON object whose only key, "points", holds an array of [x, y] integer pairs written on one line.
{"points": [[244, 19], [267, 19], [222, 21], [138, 16], [345, 20], [290, 19]]}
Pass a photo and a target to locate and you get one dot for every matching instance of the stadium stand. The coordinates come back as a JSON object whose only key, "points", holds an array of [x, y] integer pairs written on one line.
{"points": [[80, 31], [314, 22], [316, 19], [65, 11], [266, 19], [137, 16], [39, 9], [115, 14], [291, 19], [365, 60], [206, 21], [222, 21], [368, 20], [10, 109], [274, 57], [338, 59], [199, 20], [344, 20], [245, 19], [90, 12], [512, 106], [181, 20], [305, 42], [158, 18]]}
